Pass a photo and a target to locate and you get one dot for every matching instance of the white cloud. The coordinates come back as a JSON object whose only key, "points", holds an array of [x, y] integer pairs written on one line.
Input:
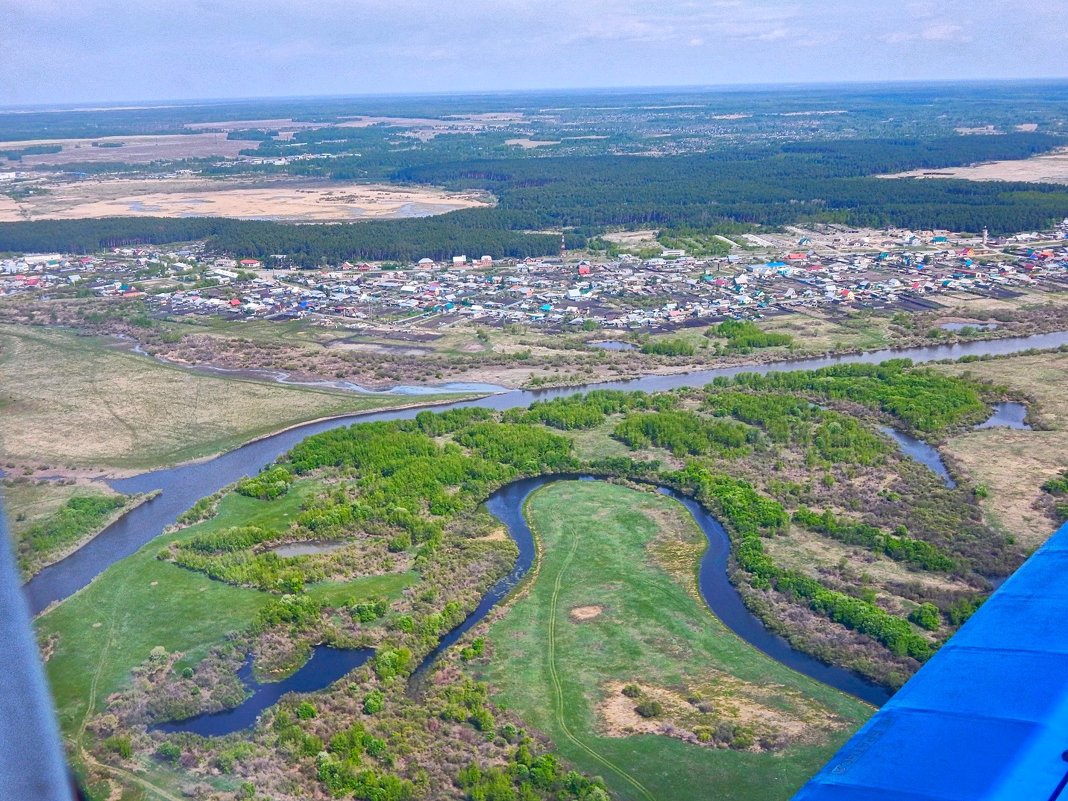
{"points": [[119, 49]]}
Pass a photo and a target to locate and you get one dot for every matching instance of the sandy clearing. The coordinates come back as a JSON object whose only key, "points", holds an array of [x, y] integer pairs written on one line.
{"points": [[497, 535], [581, 614], [134, 150], [283, 200], [644, 237], [529, 144], [728, 699], [1047, 168]]}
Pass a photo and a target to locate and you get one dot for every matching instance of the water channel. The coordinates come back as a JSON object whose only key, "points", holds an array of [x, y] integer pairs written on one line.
{"points": [[183, 485]]}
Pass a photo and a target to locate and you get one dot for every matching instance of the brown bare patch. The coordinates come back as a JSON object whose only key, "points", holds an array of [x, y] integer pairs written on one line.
{"points": [[240, 197], [497, 535], [581, 614], [721, 711]]}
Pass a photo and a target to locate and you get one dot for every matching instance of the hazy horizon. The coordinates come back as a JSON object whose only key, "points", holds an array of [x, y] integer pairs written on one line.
{"points": [[131, 103], [104, 52]]}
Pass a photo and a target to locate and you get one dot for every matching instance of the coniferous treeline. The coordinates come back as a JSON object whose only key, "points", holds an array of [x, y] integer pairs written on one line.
{"points": [[766, 185]]}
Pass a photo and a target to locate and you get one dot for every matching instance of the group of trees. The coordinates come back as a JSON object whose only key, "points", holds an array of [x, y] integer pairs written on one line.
{"points": [[685, 433], [788, 419], [749, 517], [79, 516], [744, 335], [274, 482], [668, 347], [587, 410], [526, 778], [898, 546], [924, 399]]}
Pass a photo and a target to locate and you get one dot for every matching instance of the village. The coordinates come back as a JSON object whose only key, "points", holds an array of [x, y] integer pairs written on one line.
{"points": [[771, 274]]}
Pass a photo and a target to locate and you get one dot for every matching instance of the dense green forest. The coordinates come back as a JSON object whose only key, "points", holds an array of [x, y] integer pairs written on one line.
{"points": [[755, 185]]}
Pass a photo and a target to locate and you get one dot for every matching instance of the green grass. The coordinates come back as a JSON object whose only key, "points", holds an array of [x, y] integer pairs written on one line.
{"points": [[596, 541], [82, 516], [30, 504], [335, 593], [141, 602], [596, 443], [73, 401]]}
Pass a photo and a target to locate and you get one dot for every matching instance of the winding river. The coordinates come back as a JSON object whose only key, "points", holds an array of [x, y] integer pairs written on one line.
{"points": [[183, 485]]}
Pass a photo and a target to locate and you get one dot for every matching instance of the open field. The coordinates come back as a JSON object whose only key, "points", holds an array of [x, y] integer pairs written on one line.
{"points": [[614, 604], [72, 402], [1047, 168], [133, 149], [819, 331], [99, 635], [1024, 459], [293, 201]]}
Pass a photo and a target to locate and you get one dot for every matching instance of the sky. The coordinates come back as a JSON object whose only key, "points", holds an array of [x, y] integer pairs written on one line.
{"points": [[77, 51]]}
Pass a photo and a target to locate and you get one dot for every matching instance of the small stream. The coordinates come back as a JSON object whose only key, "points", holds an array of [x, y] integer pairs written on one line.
{"points": [[922, 452]]}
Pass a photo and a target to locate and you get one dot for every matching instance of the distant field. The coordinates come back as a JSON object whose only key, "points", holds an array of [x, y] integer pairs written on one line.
{"points": [[613, 604], [1049, 168], [129, 149], [73, 402], [292, 201]]}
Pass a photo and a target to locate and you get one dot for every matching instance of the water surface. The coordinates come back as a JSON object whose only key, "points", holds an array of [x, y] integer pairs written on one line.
{"points": [[325, 666], [184, 485], [922, 452], [1007, 415]]}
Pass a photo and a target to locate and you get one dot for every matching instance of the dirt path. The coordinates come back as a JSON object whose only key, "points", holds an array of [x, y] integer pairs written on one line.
{"points": [[558, 690]]}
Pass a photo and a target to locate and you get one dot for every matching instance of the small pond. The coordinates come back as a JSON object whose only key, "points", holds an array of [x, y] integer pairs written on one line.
{"points": [[1007, 415], [308, 548], [613, 344]]}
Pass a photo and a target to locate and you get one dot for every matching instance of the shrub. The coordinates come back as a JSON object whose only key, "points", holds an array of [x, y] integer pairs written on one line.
{"points": [[272, 483], [926, 616], [120, 744], [650, 709], [169, 752], [373, 702]]}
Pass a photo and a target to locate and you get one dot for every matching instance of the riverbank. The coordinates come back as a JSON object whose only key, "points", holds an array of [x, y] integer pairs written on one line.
{"points": [[30, 567]]}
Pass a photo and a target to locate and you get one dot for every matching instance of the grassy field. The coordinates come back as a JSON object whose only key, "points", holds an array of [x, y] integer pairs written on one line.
{"points": [[614, 603], [814, 330], [97, 636], [74, 402], [1025, 459]]}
